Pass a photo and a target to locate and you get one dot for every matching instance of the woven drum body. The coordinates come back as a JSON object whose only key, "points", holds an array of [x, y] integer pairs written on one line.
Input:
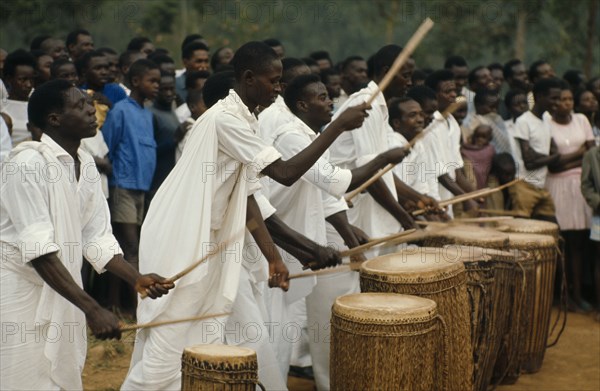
{"points": [[538, 292], [219, 368], [384, 341], [467, 235], [424, 272], [528, 226]]}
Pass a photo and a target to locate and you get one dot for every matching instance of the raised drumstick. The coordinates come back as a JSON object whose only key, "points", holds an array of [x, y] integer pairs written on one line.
{"points": [[127, 327]]}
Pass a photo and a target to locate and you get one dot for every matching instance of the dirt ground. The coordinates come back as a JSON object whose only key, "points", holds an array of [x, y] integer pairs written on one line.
{"points": [[573, 364]]}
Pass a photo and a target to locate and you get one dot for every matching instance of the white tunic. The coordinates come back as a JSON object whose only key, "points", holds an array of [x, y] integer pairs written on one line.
{"points": [[410, 169], [356, 148], [272, 118], [17, 110], [43, 208], [536, 131], [202, 203]]}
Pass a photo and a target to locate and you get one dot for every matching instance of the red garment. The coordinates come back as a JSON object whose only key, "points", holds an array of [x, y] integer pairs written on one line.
{"points": [[481, 159]]}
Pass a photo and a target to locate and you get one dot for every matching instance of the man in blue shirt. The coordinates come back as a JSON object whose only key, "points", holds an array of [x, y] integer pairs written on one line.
{"points": [[93, 69], [129, 134]]}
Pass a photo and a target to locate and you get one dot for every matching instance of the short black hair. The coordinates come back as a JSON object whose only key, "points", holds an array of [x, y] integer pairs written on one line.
{"points": [[577, 96], [57, 64], [136, 44], [36, 42], [125, 58], [217, 87], [160, 58], [84, 61], [37, 53], [482, 95], [508, 67], [309, 62], [573, 77], [189, 39], [295, 90], [272, 42], [384, 57], [254, 56], [533, 68], [419, 74], [473, 74], [45, 99], [510, 95], [321, 55], [543, 86], [214, 59], [436, 77], [19, 57], [140, 68], [349, 60], [455, 61], [191, 77], [421, 94], [106, 51], [496, 65], [190, 48], [327, 73], [288, 64], [72, 37], [394, 106]]}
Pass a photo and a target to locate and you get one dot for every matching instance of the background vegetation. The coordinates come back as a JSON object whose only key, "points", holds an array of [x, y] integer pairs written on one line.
{"points": [[564, 32]]}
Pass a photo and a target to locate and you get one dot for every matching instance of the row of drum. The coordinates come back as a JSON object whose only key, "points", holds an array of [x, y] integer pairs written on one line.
{"points": [[467, 308]]}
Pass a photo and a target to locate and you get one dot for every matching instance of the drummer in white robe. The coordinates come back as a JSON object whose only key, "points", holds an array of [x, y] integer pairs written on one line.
{"points": [[210, 189], [308, 203], [53, 214]]}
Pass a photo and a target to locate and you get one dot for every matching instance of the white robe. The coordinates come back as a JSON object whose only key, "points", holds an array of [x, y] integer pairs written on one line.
{"points": [[356, 148], [202, 203], [304, 206], [43, 208]]}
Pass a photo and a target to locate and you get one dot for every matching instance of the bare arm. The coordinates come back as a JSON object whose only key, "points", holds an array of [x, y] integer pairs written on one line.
{"points": [[568, 161], [534, 160], [363, 173], [382, 195], [289, 171]]}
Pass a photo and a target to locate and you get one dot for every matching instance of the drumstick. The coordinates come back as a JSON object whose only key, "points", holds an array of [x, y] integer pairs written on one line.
{"points": [[500, 212], [128, 327], [410, 47], [449, 110], [469, 196], [338, 269], [374, 242], [187, 270]]}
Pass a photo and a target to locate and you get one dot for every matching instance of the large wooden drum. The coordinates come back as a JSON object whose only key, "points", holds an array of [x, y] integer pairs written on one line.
{"points": [[384, 341], [426, 273], [219, 368], [529, 226], [537, 300]]}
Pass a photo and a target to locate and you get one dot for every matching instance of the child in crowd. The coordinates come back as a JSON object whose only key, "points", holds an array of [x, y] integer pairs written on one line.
{"points": [[480, 154]]}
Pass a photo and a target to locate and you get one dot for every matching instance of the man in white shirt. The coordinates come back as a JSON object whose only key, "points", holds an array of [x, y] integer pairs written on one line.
{"points": [[212, 189], [52, 215], [534, 141], [354, 77], [452, 181], [315, 199], [377, 212], [19, 74]]}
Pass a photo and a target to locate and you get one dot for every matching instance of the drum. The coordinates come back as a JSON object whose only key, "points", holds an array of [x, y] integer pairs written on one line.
{"points": [[529, 226], [537, 302], [385, 341], [424, 272], [219, 368], [467, 235]]}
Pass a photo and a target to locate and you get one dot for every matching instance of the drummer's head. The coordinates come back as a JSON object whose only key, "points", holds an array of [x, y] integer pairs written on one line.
{"points": [[504, 167]]}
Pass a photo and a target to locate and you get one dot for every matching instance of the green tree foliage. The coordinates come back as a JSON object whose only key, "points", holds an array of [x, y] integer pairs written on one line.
{"points": [[481, 30]]}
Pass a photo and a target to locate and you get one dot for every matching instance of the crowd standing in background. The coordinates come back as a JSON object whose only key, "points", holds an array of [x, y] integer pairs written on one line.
{"points": [[302, 122]]}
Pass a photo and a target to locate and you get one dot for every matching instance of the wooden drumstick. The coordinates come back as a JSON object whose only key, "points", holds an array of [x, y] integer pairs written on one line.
{"points": [[338, 269], [128, 327], [410, 47], [363, 247], [469, 196], [250, 225], [499, 212]]}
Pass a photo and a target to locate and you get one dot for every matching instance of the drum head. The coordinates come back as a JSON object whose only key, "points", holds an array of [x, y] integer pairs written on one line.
{"points": [[424, 262], [474, 234], [528, 226], [377, 307], [525, 240], [220, 353]]}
